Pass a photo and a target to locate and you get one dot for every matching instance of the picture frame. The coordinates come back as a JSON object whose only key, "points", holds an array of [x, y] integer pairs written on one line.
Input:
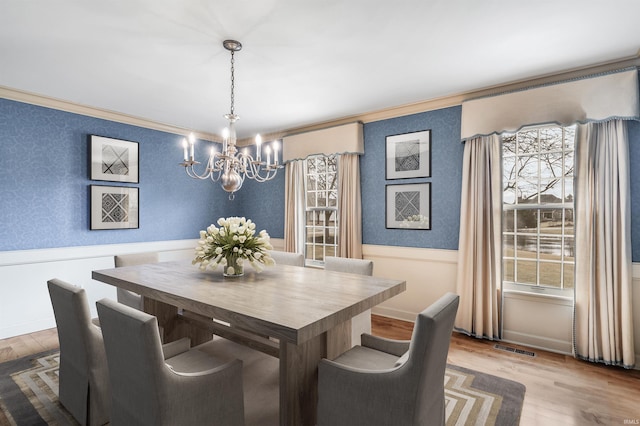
{"points": [[114, 160], [114, 207], [408, 206], [408, 155]]}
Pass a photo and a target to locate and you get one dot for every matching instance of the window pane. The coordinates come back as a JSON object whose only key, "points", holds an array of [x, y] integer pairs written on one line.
{"points": [[509, 195], [311, 199], [569, 137], [507, 270], [551, 221], [527, 246], [568, 275], [508, 224], [528, 167], [508, 168], [527, 191], [569, 249], [309, 252], [551, 247], [527, 221], [508, 144], [311, 182], [568, 190], [568, 223], [527, 142], [550, 274], [569, 163], [551, 139], [526, 272]]}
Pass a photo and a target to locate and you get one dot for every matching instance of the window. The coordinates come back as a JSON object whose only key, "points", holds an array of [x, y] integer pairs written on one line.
{"points": [[537, 221], [321, 225]]}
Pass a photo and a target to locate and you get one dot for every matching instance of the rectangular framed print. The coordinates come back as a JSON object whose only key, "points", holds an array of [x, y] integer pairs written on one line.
{"points": [[408, 155], [409, 206], [114, 207], [114, 160]]}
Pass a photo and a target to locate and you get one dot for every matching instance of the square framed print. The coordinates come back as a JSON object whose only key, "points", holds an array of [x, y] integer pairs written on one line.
{"points": [[409, 206], [408, 155], [114, 160], [114, 207]]}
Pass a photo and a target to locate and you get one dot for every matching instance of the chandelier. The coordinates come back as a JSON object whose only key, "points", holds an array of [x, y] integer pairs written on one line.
{"points": [[230, 166]]}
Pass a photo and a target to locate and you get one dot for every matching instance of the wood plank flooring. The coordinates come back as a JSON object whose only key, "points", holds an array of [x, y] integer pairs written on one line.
{"points": [[560, 389]]}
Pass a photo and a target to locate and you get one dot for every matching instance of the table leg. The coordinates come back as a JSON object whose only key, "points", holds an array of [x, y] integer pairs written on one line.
{"points": [[299, 373], [173, 326]]}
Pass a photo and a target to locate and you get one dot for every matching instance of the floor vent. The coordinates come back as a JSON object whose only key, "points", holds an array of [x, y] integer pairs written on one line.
{"points": [[514, 350]]}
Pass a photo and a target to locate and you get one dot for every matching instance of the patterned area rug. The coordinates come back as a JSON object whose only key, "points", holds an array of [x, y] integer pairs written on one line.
{"points": [[29, 395]]}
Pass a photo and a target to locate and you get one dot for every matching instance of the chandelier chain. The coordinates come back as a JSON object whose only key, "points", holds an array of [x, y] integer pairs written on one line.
{"points": [[232, 81]]}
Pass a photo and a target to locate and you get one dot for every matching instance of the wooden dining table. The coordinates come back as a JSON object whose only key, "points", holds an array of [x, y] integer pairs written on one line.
{"points": [[297, 314]]}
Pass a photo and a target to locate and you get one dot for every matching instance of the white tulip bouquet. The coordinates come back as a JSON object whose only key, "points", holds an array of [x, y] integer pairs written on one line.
{"points": [[231, 245]]}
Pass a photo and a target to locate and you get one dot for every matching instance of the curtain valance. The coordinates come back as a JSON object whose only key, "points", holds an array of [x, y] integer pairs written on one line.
{"points": [[347, 138], [597, 98]]}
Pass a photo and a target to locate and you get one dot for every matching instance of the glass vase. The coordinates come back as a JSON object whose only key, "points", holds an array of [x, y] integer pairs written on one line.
{"points": [[233, 268]]}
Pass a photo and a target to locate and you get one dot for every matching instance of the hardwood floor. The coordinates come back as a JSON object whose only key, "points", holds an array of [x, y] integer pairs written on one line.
{"points": [[560, 389]]}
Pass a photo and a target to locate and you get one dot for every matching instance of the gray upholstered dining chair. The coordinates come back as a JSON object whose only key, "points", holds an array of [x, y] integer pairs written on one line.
{"points": [[287, 258], [391, 382], [127, 297], [361, 323], [190, 388], [83, 376]]}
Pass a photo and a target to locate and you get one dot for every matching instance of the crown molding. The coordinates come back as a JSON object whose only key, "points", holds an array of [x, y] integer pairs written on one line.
{"points": [[367, 117], [58, 104]]}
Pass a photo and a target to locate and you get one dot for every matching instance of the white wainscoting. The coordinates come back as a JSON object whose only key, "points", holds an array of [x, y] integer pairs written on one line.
{"points": [[25, 306], [531, 320]]}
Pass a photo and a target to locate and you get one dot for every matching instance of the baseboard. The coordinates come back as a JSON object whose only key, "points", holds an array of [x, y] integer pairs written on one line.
{"points": [[537, 342], [394, 313]]}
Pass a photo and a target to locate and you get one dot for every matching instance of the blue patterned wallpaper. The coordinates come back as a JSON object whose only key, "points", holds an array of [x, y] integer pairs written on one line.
{"points": [[446, 166], [44, 182]]}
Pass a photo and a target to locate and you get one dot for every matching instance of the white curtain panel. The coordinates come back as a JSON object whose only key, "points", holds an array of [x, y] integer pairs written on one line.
{"points": [[594, 98], [603, 277], [294, 208], [479, 251], [349, 207]]}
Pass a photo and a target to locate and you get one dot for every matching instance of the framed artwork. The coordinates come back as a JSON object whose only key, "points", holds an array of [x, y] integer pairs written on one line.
{"points": [[114, 160], [114, 207], [408, 155], [409, 206]]}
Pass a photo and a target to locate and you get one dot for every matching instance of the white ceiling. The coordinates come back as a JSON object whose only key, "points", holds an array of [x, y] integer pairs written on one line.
{"points": [[302, 61]]}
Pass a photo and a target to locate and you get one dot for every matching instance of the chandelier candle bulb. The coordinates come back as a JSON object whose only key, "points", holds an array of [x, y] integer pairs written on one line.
{"points": [[186, 153], [275, 153], [258, 148], [192, 142], [267, 149]]}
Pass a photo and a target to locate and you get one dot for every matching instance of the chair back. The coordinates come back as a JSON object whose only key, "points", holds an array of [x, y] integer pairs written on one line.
{"points": [[351, 266], [427, 357], [135, 259], [135, 358], [127, 297], [287, 258], [83, 381]]}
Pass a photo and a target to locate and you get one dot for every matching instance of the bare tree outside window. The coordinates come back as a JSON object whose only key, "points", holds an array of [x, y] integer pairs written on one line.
{"points": [[537, 222]]}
